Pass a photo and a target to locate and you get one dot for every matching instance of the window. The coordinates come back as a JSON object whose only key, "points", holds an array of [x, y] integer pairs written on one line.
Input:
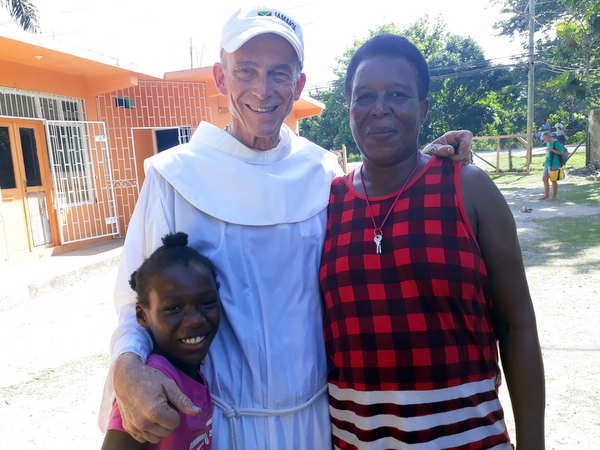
{"points": [[170, 137], [36, 105], [123, 102], [17, 105], [70, 166], [29, 149], [7, 171]]}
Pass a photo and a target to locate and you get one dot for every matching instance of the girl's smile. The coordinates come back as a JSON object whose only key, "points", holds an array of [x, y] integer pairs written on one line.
{"points": [[183, 314]]}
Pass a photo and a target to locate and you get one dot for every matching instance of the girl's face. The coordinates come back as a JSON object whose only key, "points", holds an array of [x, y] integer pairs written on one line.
{"points": [[183, 314]]}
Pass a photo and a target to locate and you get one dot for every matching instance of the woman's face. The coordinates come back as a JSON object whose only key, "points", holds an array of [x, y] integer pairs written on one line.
{"points": [[385, 111]]}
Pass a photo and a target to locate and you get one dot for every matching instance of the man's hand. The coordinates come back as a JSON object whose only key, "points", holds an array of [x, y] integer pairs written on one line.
{"points": [[455, 145], [149, 401]]}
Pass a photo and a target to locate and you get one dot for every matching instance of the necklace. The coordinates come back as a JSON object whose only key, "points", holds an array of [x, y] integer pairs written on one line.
{"points": [[377, 230]]}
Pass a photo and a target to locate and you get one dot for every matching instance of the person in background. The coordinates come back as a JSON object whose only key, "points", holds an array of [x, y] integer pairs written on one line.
{"points": [[423, 282], [560, 132], [545, 125], [178, 303], [253, 198], [552, 162]]}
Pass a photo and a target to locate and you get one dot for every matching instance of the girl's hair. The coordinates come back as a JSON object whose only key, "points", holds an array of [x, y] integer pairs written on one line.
{"points": [[391, 46], [175, 250]]}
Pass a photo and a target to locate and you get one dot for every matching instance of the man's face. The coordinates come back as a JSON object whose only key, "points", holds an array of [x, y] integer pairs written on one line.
{"points": [[261, 81]]}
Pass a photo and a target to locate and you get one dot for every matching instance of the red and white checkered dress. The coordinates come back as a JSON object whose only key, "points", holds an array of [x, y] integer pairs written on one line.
{"points": [[409, 332]]}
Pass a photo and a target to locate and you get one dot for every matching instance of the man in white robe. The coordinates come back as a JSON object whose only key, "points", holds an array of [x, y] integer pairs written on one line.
{"points": [[254, 200]]}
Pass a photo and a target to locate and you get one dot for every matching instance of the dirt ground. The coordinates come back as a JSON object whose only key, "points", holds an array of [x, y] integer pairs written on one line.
{"points": [[55, 346]]}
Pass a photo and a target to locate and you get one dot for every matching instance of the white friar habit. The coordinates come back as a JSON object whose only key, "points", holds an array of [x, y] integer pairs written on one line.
{"points": [[260, 216]]}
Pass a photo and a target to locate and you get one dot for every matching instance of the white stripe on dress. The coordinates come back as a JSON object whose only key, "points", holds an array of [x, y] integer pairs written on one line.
{"points": [[412, 397], [417, 423], [388, 443]]}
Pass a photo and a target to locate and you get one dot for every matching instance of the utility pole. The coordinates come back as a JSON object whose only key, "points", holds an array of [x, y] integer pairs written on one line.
{"points": [[530, 84]]}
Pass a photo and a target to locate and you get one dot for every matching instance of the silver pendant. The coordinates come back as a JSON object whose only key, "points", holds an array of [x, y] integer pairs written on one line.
{"points": [[377, 239]]}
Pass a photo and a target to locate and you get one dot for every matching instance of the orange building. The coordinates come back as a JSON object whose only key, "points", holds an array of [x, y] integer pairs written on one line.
{"points": [[74, 131]]}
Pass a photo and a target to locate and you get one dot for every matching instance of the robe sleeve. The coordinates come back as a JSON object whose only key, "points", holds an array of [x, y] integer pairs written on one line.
{"points": [[146, 228]]}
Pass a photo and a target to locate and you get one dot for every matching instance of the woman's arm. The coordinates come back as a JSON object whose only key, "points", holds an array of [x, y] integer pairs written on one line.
{"points": [[514, 315]]}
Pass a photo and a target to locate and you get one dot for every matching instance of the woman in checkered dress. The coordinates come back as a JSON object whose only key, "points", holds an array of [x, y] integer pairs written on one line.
{"points": [[423, 283]]}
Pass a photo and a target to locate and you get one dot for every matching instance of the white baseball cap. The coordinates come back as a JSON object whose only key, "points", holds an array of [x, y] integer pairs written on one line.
{"points": [[246, 24]]}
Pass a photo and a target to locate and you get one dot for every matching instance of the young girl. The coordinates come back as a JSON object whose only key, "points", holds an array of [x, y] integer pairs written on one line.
{"points": [[178, 303]]}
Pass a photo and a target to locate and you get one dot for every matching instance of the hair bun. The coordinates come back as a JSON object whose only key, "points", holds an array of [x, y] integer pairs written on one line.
{"points": [[132, 281], [179, 239]]}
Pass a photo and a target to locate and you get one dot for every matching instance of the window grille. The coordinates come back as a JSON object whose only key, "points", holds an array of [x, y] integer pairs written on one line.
{"points": [[37, 105], [185, 134], [68, 142]]}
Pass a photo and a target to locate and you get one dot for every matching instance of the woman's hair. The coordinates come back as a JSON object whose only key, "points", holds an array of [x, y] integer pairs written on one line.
{"points": [[391, 46], [173, 251]]}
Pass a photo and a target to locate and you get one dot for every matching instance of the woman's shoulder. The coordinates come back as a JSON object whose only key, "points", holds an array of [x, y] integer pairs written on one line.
{"points": [[474, 177]]}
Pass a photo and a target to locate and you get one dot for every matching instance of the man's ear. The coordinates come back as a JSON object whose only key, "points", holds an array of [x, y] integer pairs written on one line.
{"points": [[299, 86], [218, 72], [140, 315]]}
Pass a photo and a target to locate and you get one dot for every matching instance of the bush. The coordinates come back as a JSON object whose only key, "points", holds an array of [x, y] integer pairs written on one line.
{"points": [[576, 138]]}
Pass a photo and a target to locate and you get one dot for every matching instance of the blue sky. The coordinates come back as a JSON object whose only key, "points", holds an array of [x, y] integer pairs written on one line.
{"points": [[157, 35]]}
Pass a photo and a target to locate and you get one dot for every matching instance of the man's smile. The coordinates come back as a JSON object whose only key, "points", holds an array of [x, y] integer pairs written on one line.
{"points": [[261, 110]]}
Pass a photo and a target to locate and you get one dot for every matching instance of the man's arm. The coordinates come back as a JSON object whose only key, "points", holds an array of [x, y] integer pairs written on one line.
{"points": [[149, 401], [455, 145], [513, 310]]}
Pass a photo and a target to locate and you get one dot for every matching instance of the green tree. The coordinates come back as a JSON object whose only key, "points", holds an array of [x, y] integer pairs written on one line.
{"points": [[331, 129], [23, 12], [463, 85], [567, 50], [467, 91]]}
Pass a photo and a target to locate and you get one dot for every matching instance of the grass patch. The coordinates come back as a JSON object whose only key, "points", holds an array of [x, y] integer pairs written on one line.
{"points": [[353, 157], [511, 163], [580, 192], [563, 241], [569, 233], [576, 161], [573, 189]]}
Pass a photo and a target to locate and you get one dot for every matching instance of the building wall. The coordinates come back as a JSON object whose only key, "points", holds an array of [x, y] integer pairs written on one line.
{"points": [[33, 79], [156, 105]]}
